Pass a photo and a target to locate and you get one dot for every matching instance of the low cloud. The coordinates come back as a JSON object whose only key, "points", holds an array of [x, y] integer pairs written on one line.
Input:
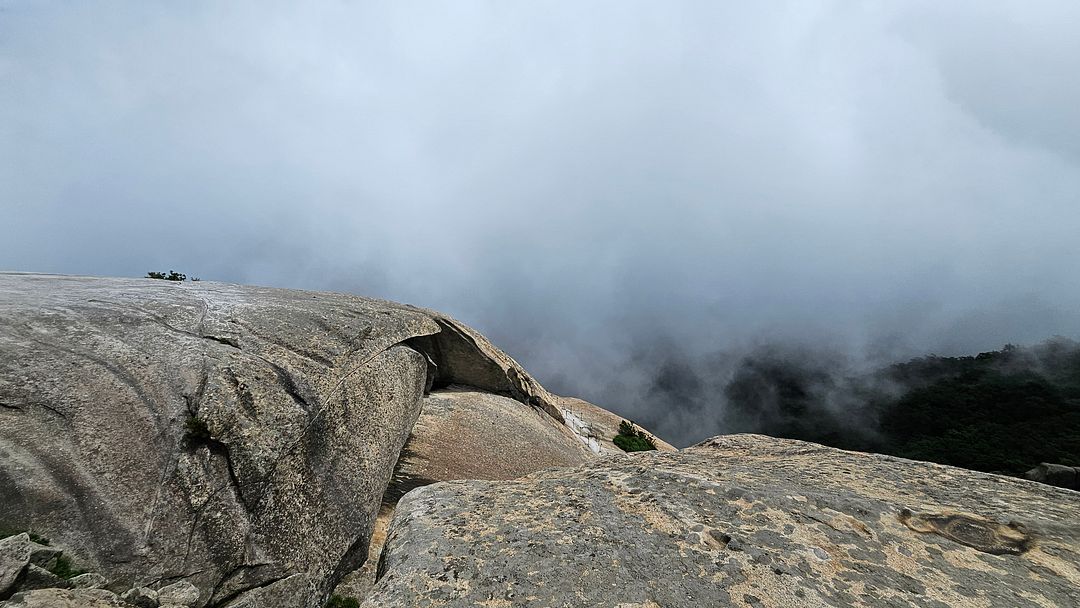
{"points": [[615, 192]]}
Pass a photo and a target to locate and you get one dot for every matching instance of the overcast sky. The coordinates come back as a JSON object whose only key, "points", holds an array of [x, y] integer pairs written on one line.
{"points": [[585, 182]]}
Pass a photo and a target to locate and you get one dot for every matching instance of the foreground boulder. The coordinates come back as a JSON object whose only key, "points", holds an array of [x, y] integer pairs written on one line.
{"points": [[235, 441], [740, 520]]}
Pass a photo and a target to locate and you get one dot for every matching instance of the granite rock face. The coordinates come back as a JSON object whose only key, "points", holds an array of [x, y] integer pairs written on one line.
{"points": [[467, 434], [66, 598], [741, 520], [235, 438]]}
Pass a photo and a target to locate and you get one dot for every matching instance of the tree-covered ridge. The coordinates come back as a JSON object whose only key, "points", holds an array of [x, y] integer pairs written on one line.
{"points": [[1000, 411]]}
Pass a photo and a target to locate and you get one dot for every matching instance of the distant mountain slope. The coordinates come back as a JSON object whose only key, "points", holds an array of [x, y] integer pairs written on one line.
{"points": [[1000, 411]]}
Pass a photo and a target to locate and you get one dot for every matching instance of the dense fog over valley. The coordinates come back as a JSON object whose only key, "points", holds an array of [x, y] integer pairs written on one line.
{"points": [[705, 218]]}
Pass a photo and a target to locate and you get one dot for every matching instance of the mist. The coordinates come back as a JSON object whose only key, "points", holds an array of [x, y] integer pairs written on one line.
{"points": [[633, 199]]}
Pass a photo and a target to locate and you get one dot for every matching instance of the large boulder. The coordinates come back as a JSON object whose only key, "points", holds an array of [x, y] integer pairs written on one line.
{"points": [[740, 520], [236, 438], [1056, 475]]}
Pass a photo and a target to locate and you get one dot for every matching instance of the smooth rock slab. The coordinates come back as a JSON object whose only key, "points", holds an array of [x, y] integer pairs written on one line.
{"points": [[740, 520]]}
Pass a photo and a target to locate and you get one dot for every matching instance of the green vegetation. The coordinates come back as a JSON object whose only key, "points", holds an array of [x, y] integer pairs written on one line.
{"points": [[172, 275], [1001, 411], [195, 430], [338, 601], [64, 568], [633, 439]]}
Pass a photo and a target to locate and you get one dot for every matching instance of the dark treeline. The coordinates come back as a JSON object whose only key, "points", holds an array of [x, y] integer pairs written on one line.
{"points": [[1001, 411]]}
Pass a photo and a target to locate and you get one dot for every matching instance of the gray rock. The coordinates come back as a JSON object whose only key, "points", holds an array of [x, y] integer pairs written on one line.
{"points": [[463, 433], [141, 597], [1056, 475], [818, 527], [37, 577], [232, 436], [181, 593], [275, 595], [43, 555], [89, 580], [14, 556], [65, 598]]}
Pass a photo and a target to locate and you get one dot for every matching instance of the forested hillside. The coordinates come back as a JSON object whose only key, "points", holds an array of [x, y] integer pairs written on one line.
{"points": [[1000, 411]]}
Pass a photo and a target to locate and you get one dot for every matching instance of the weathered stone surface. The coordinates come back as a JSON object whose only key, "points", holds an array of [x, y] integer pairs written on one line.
{"points": [[463, 433], [141, 597], [1056, 475], [43, 555], [279, 594], [37, 577], [14, 556], [90, 580], [740, 520], [66, 598], [181, 593], [232, 436]]}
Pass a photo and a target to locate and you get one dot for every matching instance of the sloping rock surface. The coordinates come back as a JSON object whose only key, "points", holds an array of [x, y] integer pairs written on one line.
{"points": [[238, 438], [463, 433], [601, 424], [741, 520]]}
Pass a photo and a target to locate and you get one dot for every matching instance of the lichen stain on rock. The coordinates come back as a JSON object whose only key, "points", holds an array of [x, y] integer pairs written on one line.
{"points": [[971, 531]]}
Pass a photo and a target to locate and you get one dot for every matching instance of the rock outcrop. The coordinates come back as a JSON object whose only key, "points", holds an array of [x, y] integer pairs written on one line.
{"points": [[204, 445], [740, 520], [1056, 475], [235, 439]]}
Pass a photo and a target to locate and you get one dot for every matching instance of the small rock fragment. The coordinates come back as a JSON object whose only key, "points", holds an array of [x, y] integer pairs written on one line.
{"points": [[90, 580], [141, 597], [182, 593], [43, 555], [37, 577]]}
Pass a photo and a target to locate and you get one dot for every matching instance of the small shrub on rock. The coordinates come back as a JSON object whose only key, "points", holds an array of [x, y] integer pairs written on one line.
{"points": [[65, 568], [633, 439], [340, 601], [196, 431], [172, 275]]}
